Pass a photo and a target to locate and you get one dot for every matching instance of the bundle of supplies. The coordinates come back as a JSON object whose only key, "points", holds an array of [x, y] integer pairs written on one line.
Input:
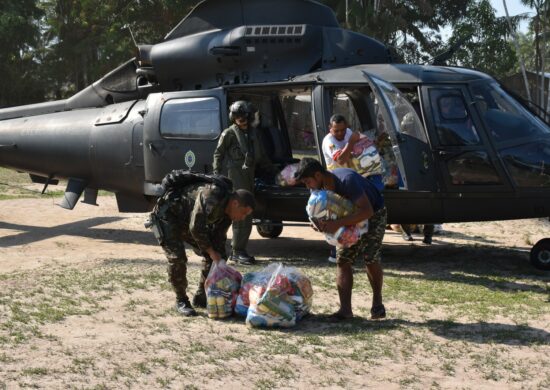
{"points": [[222, 287], [286, 176], [327, 205], [253, 284], [364, 158], [275, 296]]}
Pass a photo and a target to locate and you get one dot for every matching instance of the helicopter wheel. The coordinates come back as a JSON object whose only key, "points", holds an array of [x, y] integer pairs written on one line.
{"points": [[540, 254], [269, 229]]}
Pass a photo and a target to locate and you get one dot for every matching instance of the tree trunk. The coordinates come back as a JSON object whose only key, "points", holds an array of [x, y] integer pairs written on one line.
{"points": [[518, 53]]}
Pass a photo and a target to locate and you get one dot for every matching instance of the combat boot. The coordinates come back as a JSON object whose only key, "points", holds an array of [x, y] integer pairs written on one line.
{"points": [[199, 299], [183, 306]]}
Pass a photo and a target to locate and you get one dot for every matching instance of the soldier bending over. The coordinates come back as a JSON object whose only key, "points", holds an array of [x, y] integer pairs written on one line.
{"points": [[196, 209]]}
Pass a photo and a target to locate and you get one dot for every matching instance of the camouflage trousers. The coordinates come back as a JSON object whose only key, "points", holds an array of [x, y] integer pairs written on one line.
{"points": [[172, 235], [369, 245]]}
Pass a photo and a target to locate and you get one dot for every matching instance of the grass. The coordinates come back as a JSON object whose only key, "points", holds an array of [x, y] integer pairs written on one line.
{"points": [[18, 185], [445, 320], [35, 299]]}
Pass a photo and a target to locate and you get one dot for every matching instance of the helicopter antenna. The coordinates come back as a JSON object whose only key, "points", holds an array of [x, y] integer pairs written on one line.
{"points": [[127, 26]]}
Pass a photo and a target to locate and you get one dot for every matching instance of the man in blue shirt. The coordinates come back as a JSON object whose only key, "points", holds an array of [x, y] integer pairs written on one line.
{"points": [[369, 204]]}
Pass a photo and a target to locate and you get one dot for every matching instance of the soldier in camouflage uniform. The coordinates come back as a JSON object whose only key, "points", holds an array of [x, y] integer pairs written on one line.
{"points": [[369, 204], [240, 151], [199, 214]]}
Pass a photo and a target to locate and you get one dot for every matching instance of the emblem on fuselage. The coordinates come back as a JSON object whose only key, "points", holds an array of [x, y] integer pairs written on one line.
{"points": [[190, 159]]}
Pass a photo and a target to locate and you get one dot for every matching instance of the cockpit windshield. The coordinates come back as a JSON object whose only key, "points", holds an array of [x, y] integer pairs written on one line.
{"points": [[505, 118]]}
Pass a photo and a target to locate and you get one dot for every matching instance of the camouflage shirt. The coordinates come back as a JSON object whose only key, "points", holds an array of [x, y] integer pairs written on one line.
{"points": [[201, 210]]}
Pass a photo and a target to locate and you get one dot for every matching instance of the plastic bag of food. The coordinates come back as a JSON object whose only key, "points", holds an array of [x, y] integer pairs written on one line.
{"points": [[222, 287], [286, 176], [327, 205], [251, 288], [365, 158], [285, 299]]}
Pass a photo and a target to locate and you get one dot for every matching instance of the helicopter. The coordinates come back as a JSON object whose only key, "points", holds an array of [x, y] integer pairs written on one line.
{"points": [[455, 145]]}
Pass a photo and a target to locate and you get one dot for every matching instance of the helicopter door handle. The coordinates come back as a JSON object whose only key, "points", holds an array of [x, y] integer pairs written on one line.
{"points": [[156, 147], [445, 154]]}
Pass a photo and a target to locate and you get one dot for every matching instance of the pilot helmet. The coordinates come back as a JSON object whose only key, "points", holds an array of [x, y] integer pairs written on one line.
{"points": [[242, 108]]}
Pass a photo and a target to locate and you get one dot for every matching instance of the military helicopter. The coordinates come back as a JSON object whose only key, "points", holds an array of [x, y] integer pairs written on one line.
{"points": [[455, 145]]}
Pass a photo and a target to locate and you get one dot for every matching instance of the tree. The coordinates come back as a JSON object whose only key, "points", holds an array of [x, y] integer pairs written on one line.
{"points": [[85, 39], [487, 48], [411, 26], [538, 25], [19, 34]]}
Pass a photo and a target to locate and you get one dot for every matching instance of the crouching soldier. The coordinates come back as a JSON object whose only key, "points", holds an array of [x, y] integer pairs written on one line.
{"points": [[196, 209]]}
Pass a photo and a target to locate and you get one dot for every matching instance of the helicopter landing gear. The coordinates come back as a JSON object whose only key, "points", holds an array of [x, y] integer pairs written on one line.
{"points": [[269, 229], [540, 254]]}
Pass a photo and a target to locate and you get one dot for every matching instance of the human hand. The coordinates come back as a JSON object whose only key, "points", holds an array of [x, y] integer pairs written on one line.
{"points": [[355, 136], [214, 255], [328, 226]]}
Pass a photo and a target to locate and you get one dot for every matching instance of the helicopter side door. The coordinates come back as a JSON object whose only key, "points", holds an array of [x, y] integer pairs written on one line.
{"points": [[411, 188], [471, 174], [181, 131]]}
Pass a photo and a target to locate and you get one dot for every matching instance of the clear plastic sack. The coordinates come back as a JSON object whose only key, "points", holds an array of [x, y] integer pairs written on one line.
{"points": [[327, 205], [222, 287], [286, 176], [251, 288], [285, 299], [365, 158]]}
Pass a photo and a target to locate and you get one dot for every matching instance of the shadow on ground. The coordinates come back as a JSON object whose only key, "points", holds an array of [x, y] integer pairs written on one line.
{"points": [[477, 332], [27, 234]]}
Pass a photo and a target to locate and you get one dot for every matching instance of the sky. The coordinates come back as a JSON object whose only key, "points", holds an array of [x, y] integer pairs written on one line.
{"points": [[514, 7]]}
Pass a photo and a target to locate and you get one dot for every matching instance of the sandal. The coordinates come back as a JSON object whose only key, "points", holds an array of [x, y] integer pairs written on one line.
{"points": [[377, 312]]}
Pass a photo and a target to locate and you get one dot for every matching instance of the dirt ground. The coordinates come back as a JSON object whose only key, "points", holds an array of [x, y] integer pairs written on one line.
{"points": [[122, 332]]}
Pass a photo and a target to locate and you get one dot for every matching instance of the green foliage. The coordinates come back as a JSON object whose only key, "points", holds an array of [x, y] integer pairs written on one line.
{"points": [[88, 38], [487, 47], [19, 34], [50, 49], [411, 27]]}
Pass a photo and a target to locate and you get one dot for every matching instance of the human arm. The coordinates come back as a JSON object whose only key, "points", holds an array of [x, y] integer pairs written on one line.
{"points": [[219, 153], [346, 151], [198, 224], [363, 211]]}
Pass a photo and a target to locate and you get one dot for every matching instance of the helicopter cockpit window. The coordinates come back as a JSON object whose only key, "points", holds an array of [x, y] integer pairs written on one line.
{"points": [[529, 164], [452, 119], [505, 118], [472, 168], [196, 118]]}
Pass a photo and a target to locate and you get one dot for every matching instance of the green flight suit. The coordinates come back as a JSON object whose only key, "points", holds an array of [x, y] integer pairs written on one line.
{"points": [[241, 152], [194, 214]]}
